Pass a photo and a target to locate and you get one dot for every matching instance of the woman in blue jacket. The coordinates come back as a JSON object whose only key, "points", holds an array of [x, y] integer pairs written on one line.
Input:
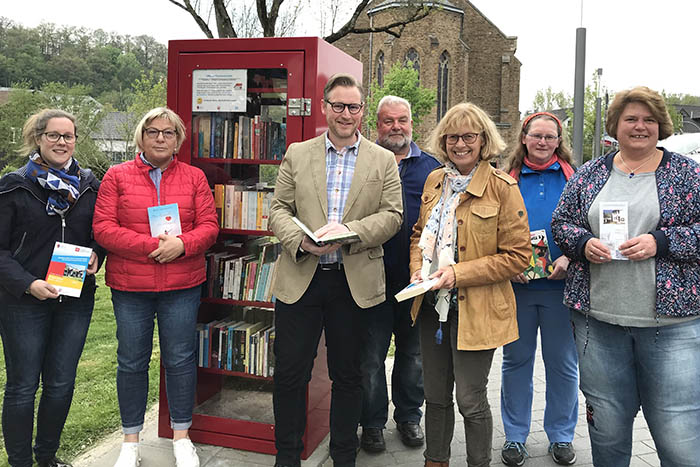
{"points": [[541, 162], [51, 199]]}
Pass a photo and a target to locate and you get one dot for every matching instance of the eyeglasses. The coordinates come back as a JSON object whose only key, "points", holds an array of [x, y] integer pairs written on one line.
{"points": [[53, 137], [154, 132], [339, 107], [468, 138], [547, 138]]}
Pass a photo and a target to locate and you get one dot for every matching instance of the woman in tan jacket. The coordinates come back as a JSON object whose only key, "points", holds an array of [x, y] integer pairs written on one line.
{"points": [[472, 236]]}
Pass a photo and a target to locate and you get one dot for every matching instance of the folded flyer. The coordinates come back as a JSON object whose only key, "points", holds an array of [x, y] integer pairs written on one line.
{"points": [[614, 226], [164, 219], [68, 267], [342, 238]]}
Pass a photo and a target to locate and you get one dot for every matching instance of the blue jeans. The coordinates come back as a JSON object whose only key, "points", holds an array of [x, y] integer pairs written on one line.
{"points": [[40, 340], [657, 368], [176, 312], [541, 309], [407, 374]]}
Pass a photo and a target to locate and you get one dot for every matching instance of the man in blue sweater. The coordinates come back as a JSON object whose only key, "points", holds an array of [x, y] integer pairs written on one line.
{"points": [[395, 133]]}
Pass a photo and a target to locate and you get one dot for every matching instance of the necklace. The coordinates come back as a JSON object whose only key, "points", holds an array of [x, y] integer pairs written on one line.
{"points": [[632, 171]]}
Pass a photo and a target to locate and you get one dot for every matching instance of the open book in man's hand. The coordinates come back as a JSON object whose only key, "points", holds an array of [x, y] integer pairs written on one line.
{"points": [[342, 238]]}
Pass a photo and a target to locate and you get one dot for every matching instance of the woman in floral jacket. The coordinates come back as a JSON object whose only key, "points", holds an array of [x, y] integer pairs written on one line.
{"points": [[635, 302]]}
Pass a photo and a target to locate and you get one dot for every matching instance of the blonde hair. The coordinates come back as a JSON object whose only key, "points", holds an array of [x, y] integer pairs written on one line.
{"points": [[642, 94], [469, 115], [154, 114], [35, 126]]}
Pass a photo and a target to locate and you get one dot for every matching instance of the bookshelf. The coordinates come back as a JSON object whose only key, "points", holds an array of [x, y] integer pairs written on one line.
{"points": [[243, 102]]}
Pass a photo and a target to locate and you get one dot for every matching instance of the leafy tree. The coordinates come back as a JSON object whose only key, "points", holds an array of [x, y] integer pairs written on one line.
{"points": [[401, 80], [274, 20], [547, 99], [23, 102]]}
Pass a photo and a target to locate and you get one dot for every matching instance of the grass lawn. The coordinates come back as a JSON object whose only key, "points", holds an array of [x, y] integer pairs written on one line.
{"points": [[95, 411]]}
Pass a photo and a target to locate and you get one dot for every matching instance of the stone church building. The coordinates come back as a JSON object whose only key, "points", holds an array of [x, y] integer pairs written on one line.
{"points": [[457, 51]]}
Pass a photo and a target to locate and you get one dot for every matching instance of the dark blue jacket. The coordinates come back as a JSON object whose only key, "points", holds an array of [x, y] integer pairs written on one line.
{"points": [[413, 170], [28, 233]]}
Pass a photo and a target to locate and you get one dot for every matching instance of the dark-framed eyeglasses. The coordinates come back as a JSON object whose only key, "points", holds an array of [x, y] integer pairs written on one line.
{"points": [[547, 138], [339, 107], [53, 137], [468, 138], [153, 133]]}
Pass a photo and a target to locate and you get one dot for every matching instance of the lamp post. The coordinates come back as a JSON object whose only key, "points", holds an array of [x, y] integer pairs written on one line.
{"points": [[596, 140]]}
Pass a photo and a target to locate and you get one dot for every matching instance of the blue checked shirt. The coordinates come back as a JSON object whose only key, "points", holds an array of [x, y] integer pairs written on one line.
{"points": [[340, 167]]}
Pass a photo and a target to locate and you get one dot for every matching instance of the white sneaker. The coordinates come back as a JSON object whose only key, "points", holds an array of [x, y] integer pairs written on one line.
{"points": [[129, 456], [185, 453]]}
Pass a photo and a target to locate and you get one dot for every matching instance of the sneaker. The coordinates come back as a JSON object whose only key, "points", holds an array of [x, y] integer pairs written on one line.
{"points": [[185, 453], [129, 456], [563, 453], [513, 453]]}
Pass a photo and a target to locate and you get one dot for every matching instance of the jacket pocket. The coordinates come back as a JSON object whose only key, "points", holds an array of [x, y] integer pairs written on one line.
{"points": [[484, 220], [376, 252], [21, 246]]}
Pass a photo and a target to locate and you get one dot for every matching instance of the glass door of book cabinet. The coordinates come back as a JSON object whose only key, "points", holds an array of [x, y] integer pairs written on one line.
{"points": [[235, 106]]}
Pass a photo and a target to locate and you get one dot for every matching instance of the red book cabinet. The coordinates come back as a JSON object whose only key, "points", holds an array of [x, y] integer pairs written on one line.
{"points": [[243, 101]]}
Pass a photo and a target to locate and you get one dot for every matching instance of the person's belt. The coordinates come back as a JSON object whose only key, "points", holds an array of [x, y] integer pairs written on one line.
{"points": [[330, 266]]}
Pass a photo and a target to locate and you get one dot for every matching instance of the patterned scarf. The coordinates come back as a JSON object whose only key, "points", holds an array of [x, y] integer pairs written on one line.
{"points": [[438, 239], [566, 168], [63, 185]]}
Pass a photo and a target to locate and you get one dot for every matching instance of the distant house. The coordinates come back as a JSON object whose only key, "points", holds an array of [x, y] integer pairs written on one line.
{"points": [[114, 136], [691, 117]]}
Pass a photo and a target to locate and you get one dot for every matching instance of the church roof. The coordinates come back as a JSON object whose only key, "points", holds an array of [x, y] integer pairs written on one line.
{"points": [[386, 4]]}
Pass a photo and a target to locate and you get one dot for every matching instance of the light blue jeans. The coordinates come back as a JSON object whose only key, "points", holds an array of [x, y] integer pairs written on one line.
{"points": [[176, 312], [543, 310], [657, 368]]}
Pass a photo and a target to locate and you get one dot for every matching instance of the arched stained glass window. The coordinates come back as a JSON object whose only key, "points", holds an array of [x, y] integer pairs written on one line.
{"points": [[442, 84], [380, 69], [412, 56]]}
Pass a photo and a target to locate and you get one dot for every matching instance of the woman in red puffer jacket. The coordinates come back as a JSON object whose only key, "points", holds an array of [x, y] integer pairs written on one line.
{"points": [[156, 275]]}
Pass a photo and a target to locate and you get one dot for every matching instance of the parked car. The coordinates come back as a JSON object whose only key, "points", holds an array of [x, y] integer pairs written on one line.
{"points": [[687, 144]]}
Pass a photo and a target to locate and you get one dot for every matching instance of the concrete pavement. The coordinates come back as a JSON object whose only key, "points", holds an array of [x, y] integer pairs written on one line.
{"points": [[157, 452]]}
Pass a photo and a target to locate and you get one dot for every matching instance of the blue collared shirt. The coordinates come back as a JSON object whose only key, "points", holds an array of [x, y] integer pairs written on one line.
{"points": [[541, 190], [340, 168], [155, 173]]}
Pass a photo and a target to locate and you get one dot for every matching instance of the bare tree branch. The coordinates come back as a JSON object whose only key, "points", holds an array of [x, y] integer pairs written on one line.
{"points": [[200, 22], [223, 20], [395, 29], [268, 20]]}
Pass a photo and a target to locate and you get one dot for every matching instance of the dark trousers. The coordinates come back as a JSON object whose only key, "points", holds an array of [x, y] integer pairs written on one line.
{"points": [[41, 341], [444, 368], [407, 373], [325, 306]]}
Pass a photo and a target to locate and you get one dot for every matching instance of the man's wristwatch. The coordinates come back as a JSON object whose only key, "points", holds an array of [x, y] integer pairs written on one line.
{"points": [[302, 251]]}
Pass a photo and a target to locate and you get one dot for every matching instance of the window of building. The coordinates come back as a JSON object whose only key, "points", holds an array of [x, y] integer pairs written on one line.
{"points": [[412, 56], [380, 68], [442, 84]]}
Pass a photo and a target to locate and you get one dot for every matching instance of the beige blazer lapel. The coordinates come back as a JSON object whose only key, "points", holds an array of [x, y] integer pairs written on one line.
{"points": [[318, 172], [362, 170]]}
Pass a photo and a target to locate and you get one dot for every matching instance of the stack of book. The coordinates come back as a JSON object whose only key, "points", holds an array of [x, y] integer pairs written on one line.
{"points": [[244, 207], [243, 274], [237, 345], [219, 135]]}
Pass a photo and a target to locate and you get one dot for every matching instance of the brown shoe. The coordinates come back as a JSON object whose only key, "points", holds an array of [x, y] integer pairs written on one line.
{"points": [[436, 464]]}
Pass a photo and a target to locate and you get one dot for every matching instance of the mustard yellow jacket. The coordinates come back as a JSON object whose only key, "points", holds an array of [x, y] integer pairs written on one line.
{"points": [[494, 245]]}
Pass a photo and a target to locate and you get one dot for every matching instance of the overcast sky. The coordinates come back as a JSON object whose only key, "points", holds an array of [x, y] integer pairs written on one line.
{"points": [[635, 42]]}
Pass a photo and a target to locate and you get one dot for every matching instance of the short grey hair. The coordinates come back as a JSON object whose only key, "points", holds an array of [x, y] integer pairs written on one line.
{"points": [[394, 100]]}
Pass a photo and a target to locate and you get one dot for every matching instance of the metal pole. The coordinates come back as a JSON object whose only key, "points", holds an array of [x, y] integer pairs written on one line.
{"points": [[579, 84], [596, 141]]}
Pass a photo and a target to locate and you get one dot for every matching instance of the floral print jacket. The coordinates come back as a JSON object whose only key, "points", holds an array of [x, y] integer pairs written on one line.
{"points": [[677, 235]]}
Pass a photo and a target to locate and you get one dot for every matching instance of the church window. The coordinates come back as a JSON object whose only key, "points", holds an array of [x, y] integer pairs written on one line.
{"points": [[442, 84]]}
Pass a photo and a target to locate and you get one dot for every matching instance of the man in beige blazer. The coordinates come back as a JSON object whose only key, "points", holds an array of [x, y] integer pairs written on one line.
{"points": [[334, 183]]}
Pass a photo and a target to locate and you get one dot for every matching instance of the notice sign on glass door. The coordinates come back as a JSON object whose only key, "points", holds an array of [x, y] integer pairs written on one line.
{"points": [[219, 90]]}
